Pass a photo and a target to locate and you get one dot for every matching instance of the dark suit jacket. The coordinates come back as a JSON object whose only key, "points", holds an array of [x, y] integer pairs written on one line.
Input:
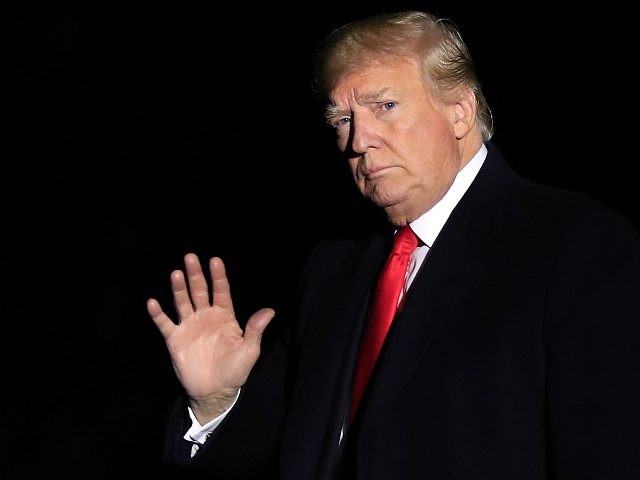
{"points": [[516, 357]]}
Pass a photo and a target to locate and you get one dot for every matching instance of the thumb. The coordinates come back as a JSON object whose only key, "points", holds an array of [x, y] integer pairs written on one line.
{"points": [[256, 326]]}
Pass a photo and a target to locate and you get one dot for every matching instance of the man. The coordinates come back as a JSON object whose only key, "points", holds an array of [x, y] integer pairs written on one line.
{"points": [[514, 351]]}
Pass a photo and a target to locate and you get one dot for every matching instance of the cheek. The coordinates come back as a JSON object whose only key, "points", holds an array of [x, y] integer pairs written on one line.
{"points": [[342, 140], [432, 158], [434, 143], [359, 180], [353, 168], [429, 136]]}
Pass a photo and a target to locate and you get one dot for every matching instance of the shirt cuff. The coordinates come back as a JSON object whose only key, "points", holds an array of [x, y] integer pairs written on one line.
{"points": [[198, 434]]}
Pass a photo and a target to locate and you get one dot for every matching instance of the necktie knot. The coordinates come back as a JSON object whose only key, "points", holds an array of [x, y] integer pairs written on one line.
{"points": [[404, 241]]}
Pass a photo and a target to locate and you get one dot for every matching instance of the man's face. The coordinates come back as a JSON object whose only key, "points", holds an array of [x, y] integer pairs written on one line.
{"points": [[399, 141]]}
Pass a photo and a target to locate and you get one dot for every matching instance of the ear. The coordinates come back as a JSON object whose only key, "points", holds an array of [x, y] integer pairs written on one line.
{"points": [[463, 113]]}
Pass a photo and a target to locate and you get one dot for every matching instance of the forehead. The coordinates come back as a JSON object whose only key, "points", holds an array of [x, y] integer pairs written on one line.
{"points": [[376, 78]]}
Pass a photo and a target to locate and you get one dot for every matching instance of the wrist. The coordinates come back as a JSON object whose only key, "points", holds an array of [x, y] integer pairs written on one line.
{"points": [[208, 407]]}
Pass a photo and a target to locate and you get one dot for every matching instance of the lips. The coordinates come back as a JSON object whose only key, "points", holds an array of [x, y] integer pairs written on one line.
{"points": [[373, 172]]}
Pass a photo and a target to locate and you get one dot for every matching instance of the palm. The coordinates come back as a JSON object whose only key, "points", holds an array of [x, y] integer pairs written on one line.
{"points": [[211, 354], [208, 352]]}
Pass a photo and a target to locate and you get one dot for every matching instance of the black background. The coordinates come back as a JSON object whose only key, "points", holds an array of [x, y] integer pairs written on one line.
{"points": [[138, 132]]}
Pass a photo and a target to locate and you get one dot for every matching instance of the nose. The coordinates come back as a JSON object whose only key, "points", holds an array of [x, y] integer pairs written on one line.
{"points": [[364, 133]]}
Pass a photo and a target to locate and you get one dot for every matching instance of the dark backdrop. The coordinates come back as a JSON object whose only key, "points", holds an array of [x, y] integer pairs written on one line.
{"points": [[138, 132]]}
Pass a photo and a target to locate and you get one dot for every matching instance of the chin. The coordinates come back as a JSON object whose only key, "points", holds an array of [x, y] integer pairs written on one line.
{"points": [[397, 217]]}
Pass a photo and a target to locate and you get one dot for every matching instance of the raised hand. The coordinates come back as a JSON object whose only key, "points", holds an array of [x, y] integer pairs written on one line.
{"points": [[211, 355]]}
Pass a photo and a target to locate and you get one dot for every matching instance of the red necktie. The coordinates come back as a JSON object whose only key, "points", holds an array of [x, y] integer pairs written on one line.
{"points": [[385, 305]]}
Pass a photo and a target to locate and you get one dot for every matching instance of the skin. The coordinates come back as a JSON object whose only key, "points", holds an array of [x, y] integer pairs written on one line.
{"points": [[404, 149], [210, 353]]}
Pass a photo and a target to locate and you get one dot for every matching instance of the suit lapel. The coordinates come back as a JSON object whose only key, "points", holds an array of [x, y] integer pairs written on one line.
{"points": [[443, 281], [456, 260]]}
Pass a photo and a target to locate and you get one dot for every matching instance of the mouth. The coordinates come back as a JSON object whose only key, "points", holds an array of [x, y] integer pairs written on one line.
{"points": [[374, 172]]}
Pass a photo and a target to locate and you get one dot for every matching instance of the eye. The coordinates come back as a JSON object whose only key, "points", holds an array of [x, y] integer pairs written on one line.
{"points": [[341, 122], [388, 106]]}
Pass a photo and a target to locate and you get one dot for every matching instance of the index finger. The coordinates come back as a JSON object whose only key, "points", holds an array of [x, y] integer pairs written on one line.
{"points": [[220, 284]]}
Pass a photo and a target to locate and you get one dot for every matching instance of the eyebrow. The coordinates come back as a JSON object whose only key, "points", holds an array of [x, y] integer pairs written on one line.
{"points": [[332, 111], [374, 97]]}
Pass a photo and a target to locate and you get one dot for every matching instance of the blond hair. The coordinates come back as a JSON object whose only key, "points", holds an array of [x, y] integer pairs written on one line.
{"points": [[435, 42]]}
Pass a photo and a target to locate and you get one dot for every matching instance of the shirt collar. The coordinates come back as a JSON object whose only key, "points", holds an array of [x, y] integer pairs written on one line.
{"points": [[428, 226]]}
